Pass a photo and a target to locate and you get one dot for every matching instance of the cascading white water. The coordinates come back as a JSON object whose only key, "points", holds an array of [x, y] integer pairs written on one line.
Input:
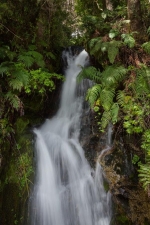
{"points": [[67, 190]]}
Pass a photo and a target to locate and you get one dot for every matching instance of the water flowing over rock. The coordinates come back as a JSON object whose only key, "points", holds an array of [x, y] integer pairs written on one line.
{"points": [[67, 191]]}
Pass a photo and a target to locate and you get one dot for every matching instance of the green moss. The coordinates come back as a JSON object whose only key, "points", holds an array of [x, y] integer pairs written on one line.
{"points": [[106, 185], [21, 124], [122, 220]]}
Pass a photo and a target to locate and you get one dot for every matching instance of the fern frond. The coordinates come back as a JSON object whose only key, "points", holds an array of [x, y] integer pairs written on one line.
{"points": [[5, 67], [128, 40], [31, 57], [93, 41], [146, 47], [93, 94], [91, 73], [106, 118], [106, 97], [112, 75], [96, 46], [142, 85], [13, 100], [16, 84], [26, 59], [21, 74], [121, 98], [144, 174], [37, 57], [113, 50], [114, 113]]}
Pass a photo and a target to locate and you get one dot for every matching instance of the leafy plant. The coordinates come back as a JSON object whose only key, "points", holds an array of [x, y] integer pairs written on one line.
{"points": [[144, 170]]}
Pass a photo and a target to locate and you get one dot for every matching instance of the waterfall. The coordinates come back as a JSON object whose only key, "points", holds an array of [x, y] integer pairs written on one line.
{"points": [[67, 191]]}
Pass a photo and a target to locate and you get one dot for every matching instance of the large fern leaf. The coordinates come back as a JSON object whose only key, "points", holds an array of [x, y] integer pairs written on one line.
{"points": [[112, 75], [113, 50], [144, 174], [121, 98], [20, 74], [114, 113], [105, 120], [13, 100], [106, 97], [93, 41], [93, 94], [26, 59], [5, 67], [31, 57], [91, 73], [37, 57], [96, 46], [16, 84], [142, 83]]}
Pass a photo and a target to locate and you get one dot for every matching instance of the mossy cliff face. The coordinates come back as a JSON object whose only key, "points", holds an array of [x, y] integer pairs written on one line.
{"points": [[131, 202]]}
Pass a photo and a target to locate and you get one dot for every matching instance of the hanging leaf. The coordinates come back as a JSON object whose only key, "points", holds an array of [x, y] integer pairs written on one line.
{"points": [[114, 113], [27, 60]]}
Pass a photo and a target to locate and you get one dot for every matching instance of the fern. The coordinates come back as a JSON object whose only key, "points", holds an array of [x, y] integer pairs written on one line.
{"points": [[112, 75], [93, 41], [144, 171], [91, 73], [106, 97], [142, 85], [93, 94], [20, 74], [105, 120], [31, 57], [27, 60], [113, 50], [5, 67], [121, 98], [144, 174], [13, 100], [37, 57], [114, 113], [95, 46], [128, 40], [146, 47], [16, 84]]}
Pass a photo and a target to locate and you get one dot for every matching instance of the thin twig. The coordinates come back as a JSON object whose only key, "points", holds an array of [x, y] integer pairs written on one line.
{"points": [[11, 32]]}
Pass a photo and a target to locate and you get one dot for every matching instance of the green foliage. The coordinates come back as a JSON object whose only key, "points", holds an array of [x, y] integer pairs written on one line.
{"points": [[20, 170], [144, 170], [128, 40], [142, 86], [97, 47], [135, 159], [113, 50], [121, 91], [41, 81], [93, 94], [146, 47], [91, 73], [103, 94], [113, 75], [31, 57], [13, 99]]}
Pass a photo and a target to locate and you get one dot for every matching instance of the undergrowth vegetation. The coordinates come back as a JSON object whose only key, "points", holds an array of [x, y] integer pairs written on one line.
{"points": [[120, 47]]}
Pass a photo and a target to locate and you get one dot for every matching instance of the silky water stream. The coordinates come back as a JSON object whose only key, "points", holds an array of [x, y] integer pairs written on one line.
{"points": [[67, 191]]}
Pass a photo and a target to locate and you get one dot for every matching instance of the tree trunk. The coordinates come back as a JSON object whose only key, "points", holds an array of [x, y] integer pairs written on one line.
{"points": [[135, 16]]}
